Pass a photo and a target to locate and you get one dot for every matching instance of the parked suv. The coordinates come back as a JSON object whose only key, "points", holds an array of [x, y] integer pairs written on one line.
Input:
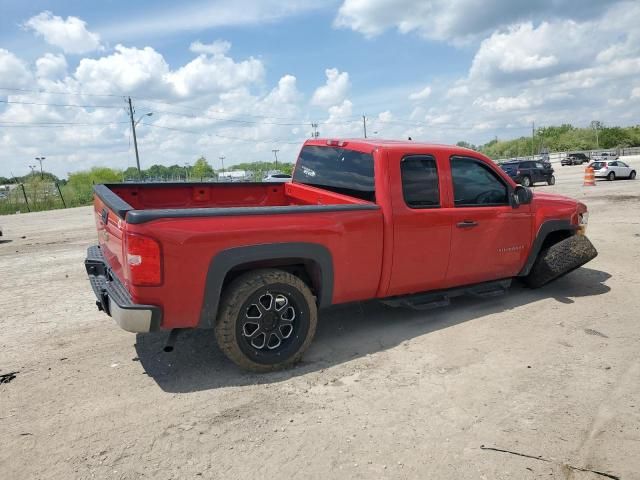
{"points": [[574, 159], [529, 172]]}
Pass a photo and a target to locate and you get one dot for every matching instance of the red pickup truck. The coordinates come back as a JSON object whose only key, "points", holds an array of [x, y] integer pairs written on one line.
{"points": [[409, 223]]}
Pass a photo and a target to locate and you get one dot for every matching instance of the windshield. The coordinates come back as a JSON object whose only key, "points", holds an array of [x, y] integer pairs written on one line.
{"points": [[338, 170]]}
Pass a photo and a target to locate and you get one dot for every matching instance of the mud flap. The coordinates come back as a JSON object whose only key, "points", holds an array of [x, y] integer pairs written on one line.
{"points": [[559, 259]]}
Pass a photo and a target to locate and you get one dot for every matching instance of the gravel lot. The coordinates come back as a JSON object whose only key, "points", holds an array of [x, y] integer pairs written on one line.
{"points": [[382, 393]]}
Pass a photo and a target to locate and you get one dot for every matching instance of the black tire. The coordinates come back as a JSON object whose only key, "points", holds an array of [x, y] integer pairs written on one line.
{"points": [[526, 181], [551, 180], [632, 175], [611, 177], [246, 328], [559, 259]]}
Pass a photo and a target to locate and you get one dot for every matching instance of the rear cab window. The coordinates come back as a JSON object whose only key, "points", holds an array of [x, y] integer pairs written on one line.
{"points": [[337, 169], [420, 181]]}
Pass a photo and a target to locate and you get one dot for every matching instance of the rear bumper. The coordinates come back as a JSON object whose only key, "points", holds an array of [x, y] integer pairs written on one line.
{"points": [[600, 174], [114, 299]]}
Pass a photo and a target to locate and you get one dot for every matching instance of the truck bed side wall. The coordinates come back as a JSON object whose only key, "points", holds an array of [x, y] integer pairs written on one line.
{"points": [[354, 239]]}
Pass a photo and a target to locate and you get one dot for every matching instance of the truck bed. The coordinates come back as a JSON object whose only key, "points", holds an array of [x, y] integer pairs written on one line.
{"points": [[143, 202]]}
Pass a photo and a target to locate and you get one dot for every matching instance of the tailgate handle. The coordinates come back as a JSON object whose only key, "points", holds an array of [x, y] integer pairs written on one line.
{"points": [[105, 215]]}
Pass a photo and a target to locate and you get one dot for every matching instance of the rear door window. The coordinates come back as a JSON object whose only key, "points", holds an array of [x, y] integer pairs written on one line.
{"points": [[420, 181], [336, 169]]}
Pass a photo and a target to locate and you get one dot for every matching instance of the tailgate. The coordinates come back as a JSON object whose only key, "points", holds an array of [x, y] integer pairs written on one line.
{"points": [[110, 236]]}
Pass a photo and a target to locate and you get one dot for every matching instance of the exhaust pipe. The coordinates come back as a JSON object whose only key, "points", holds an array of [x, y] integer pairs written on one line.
{"points": [[173, 335]]}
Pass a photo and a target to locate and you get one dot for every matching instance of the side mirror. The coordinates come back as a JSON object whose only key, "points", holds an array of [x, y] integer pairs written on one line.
{"points": [[522, 195]]}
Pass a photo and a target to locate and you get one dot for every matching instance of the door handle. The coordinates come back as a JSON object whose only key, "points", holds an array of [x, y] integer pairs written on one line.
{"points": [[467, 224]]}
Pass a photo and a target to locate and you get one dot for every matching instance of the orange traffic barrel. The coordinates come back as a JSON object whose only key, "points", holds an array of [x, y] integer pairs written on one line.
{"points": [[589, 177]]}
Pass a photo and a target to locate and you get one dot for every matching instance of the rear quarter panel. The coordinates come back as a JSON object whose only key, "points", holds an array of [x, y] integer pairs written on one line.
{"points": [[354, 239]]}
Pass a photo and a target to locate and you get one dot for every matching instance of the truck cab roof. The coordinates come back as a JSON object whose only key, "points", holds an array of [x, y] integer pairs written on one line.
{"points": [[367, 144]]}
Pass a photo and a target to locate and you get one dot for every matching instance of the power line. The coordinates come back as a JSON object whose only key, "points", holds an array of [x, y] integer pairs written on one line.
{"points": [[58, 125], [26, 90], [45, 124], [147, 99], [14, 102], [232, 120], [249, 140]]}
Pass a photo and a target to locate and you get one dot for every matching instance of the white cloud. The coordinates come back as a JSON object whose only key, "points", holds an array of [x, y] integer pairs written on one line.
{"points": [[145, 72], [525, 51], [505, 104], [422, 94], [13, 71], [550, 71], [385, 116], [207, 74], [334, 91], [219, 47], [204, 15], [127, 70], [71, 35], [455, 20], [51, 66]]}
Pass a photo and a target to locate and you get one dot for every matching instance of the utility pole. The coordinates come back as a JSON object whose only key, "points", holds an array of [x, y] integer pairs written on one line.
{"points": [[533, 135], [135, 139], [41, 159], [364, 125], [275, 153], [315, 133], [594, 125], [222, 157]]}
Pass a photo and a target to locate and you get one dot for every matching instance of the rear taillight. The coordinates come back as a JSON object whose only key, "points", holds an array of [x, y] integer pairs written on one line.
{"points": [[144, 260]]}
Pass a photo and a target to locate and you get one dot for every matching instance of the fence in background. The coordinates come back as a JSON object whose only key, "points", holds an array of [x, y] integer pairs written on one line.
{"points": [[36, 197], [557, 157]]}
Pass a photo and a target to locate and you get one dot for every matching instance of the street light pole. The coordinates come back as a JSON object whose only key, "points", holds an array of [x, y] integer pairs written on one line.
{"points": [[222, 157], [133, 129], [41, 159], [275, 153], [33, 169]]}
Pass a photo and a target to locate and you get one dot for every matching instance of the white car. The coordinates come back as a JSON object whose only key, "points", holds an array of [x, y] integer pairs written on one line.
{"points": [[612, 169], [277, 177]]}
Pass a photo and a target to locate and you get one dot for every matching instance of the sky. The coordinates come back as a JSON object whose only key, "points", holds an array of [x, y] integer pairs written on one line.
{"points": [[240, 78]]}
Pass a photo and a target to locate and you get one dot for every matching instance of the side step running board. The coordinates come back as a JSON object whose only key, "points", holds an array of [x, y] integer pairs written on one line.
{"points": [[442, 298]]}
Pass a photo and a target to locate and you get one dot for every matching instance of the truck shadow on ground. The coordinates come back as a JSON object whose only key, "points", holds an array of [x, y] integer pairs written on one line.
{"points": [[344, 333]]}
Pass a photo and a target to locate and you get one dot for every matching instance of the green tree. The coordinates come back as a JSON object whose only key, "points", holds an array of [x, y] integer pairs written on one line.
{"points": [[201, 169], [80, 184], [131, 173]]}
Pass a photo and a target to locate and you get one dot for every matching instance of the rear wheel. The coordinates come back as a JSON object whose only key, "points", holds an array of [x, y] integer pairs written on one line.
{"points": [[551, 180], [267, 320], [526, 181], [611, 176]]}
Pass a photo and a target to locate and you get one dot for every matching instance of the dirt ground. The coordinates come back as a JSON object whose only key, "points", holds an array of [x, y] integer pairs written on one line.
{"points": [[551, 374]]}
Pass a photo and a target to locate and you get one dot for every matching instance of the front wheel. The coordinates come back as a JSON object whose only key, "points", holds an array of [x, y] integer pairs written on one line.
{"points": [[611, 177], [526, 181], [551, 180], [267, 320], [632, 175]]}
